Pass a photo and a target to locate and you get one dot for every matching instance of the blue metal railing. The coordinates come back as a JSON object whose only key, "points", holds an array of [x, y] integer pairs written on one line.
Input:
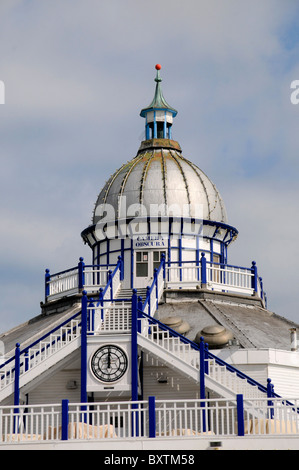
{"points": [[216, 276], [155, 285], [205, 354], [74, 280]]}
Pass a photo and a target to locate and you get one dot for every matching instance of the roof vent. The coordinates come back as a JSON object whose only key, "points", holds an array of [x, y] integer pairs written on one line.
{"points": [[216, 336], [177, 324]]}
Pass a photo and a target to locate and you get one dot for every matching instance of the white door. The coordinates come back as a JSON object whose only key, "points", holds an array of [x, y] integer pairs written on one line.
{"points": [[145, 263]]}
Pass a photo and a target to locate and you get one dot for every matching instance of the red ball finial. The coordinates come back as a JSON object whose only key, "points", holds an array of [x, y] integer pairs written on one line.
{"points": [[158, 67]]}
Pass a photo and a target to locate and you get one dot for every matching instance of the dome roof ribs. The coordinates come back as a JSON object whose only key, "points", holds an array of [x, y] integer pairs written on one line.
{"points": [[194, 168], [144, 174], [111, 181], [131, 167], [217, 197], [176, 159]]}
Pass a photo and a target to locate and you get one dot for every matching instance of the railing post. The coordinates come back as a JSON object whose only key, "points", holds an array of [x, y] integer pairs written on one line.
{"points": [[202, 368], [134, 347], [47, 284], [84, 351], [111, 283], [152, 416], [90, 318], [64, 420], [121, 268], [262, 290], [164, 269], [206, 358], [156, 282], [101, 302], [254, 277], [17, 376], [134, 375], [26, 360], [203, 271], [81, 277], [240, 415], [17, 386], [148, 297], [270, 394], [139, 310], [202, 391]]}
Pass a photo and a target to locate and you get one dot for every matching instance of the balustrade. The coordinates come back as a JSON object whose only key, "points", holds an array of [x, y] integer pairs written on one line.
{"points": [[152, 418], [214, 276], [88, 277]]}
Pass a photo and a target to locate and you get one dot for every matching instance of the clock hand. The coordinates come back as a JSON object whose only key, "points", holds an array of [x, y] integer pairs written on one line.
{"points": [[109, 359]]}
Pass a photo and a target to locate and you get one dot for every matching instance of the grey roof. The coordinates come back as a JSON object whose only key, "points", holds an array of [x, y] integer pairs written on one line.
{"points": [[33, 329], [251, 325]]}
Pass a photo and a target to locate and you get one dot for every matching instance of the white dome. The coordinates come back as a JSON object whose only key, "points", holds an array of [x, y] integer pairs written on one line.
{"points": [[160, 175]]}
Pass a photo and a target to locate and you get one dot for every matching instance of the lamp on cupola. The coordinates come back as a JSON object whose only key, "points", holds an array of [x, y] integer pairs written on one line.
{"points": [[158, 115]]}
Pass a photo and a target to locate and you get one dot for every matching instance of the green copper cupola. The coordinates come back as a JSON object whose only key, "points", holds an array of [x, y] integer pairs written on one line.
{"points": [[158, 115]]}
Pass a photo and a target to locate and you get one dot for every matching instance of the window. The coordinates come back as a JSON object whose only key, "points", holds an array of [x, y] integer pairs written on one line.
{"points": [[157, 258], [141, 263]]}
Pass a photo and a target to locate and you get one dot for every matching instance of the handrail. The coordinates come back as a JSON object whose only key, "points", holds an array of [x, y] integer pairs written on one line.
{"points": [[208, 354], [73, 280], [154, 285], [216, 276], [25, 350], [152, 418]]}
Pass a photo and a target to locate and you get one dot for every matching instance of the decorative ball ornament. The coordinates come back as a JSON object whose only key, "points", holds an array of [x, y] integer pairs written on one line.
{"points": [[158, 67]]}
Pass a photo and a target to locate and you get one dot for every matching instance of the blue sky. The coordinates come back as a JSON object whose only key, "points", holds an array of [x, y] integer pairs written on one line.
{"points": [[77, 75]]}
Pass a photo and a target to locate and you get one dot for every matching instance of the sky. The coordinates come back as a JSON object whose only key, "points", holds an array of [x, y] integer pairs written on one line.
{"points": [[76, 75]]}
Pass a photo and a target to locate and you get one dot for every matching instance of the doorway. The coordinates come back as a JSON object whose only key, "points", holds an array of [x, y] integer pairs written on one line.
{"points": [[145, 263]]}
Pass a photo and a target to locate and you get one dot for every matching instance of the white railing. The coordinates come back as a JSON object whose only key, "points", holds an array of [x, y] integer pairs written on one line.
{"points": [[39, 351], [230, 278], [188, 418], [186, 275], [34, 423], [172, 344], [213, 276], [95, 277], [65, 283], [125, 419], [195, 418], [82, 277], [29, 423], [231, 380]]}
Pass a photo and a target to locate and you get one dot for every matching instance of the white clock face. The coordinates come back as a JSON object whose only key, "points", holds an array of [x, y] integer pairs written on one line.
{"points": [[109, 363]]}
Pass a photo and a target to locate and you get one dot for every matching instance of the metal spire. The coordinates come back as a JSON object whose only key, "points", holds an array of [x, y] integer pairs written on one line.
{"points": [[158, 115]]}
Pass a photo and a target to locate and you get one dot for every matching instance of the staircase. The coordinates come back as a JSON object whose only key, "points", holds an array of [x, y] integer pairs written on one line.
{"points": [[41, 355], [166, 345], [117, 316], [126, 293], [183, 355]]}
